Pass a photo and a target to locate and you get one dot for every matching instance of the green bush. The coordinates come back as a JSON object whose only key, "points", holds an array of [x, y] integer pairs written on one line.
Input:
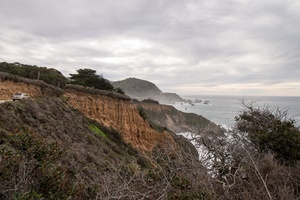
{"points": [[48, 75], [119, 90], [142, 112], [271, 130], [89, 78], [94, 128], [150, 101]]}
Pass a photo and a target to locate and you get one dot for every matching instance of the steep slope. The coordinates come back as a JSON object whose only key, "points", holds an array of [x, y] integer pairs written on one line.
{"points": [[110, 109], [179, 122], [49, 150], [117, 111], [31, 132], [11, 84]]}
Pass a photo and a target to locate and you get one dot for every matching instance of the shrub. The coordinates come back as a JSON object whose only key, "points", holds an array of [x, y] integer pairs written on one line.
{"points": [[94, 128], [270, 130], [89, 78], [48, 75], [119, 90], [30, 169], [150, 101], [142, 112]]}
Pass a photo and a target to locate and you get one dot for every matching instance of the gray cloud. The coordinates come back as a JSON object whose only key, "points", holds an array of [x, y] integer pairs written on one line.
{"points": [[222, 47]]}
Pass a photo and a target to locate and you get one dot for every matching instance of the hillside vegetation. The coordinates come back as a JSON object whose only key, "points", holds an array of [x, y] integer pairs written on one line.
{"points": [[48, 75], [84, 143], [49, 150]]}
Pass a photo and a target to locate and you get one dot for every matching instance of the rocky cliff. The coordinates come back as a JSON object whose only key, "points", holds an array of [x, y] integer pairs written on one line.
{"points": [[49, 150], [179, 122], [113, 110], [120, 114], [89, 144], [10, 84]]}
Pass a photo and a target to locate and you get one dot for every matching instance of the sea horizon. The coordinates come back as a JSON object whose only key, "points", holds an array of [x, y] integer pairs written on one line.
{"points": [[222, 109]]}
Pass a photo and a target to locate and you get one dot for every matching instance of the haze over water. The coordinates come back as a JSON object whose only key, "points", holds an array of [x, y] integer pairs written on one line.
{"points": [[222, 109]]}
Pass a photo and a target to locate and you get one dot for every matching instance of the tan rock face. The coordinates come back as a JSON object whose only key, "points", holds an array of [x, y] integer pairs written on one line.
{"points": [[122, 116], [119, 114], [8, 88]]}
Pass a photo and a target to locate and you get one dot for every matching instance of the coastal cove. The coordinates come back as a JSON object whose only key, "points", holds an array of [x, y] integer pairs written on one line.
{"points": [[222, 109]]}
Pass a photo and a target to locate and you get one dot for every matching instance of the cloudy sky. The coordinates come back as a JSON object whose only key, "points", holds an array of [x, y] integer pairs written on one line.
{"points": [[226, 47]]}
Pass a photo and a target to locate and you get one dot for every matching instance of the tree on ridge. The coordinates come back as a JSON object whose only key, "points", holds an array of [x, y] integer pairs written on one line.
{"points": [[89, 78]]}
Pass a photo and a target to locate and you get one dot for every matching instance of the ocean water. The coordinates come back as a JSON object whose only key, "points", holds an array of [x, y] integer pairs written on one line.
{"points": [[222, 109]]}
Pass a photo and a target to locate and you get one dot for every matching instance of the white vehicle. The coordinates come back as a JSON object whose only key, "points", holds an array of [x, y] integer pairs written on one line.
{"points": [[19, 96]]}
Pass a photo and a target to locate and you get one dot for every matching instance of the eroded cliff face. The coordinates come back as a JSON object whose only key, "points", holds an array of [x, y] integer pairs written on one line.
{"points": [[110, 109], [8, 88], [179, 122], [121, 115], [10, 84]]}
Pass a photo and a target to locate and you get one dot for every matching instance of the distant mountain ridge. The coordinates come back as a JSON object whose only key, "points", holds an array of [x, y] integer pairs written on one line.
{"points": [[138, 88], [142, 89]]}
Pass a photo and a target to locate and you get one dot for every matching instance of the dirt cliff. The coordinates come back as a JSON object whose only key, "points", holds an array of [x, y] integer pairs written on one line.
{"points": [[10, 84], [7, 88], [49, 150], [113, 110], [119, 114]]}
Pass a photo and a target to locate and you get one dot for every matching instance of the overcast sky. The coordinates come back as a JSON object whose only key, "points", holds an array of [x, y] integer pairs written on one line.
{"points": [[226, 47]]}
